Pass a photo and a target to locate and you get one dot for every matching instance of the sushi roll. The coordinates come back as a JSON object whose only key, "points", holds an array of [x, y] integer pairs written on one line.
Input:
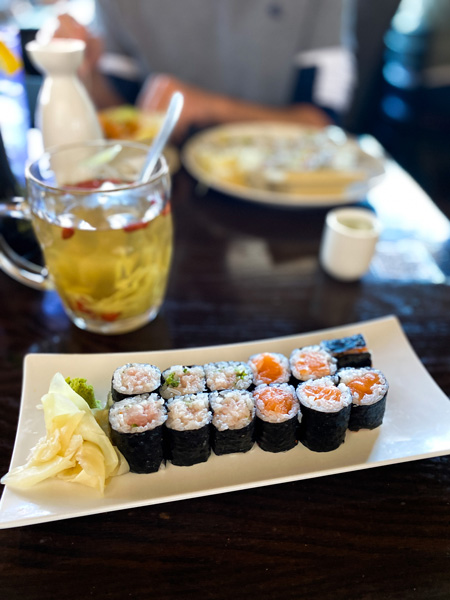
{"points": [[325, 410], [137, 430], [180, 380], [312, 362], [233, 421], [269, 367], [349, 351], [369, 389], [228, 375], [277, 414], [133, 379], [187, 429]]}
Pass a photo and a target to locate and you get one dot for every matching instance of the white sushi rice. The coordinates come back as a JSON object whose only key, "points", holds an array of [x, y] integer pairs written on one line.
{"points": [[298, 365], [271, 416], [180, 380], [305, 393], [229, 375], [136, 378], [138, 414], [232, 409], [189, 412], [282, 360], [378, 390]]}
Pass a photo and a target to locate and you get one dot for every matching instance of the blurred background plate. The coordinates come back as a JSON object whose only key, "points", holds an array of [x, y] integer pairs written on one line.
{"points": [[283, 164]]}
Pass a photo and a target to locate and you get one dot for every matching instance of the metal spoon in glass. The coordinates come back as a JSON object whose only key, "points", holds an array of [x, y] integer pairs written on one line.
{"points": [[170, 120]]}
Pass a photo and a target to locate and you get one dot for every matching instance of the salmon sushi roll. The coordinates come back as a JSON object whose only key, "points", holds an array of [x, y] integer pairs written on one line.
{"points": [[180, 380], [136, 426], [134, 379], [269, 367], [188, 429], [277, 414], [369, 389], [351, 351], [312, 362], [325, 410], [228, 375], [233, 421]]}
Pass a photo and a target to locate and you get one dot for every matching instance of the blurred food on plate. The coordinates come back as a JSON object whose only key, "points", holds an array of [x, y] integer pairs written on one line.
{"points": [[276, 157], [126, 122]]}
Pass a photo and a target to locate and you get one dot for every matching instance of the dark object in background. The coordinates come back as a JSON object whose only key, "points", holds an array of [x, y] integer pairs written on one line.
{"points": [[18, 234]]}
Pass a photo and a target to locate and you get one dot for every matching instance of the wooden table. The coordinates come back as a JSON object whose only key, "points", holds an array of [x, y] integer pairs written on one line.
{"points": [[243, 271]]}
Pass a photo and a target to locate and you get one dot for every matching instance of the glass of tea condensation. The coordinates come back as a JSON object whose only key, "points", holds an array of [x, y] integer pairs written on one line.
{"points": [[106, 238]]}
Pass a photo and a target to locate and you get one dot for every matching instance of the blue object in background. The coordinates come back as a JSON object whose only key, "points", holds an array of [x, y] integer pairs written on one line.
{"points": [[14, 109]]}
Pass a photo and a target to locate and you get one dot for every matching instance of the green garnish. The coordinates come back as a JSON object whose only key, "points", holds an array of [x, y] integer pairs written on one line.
{"points": [[83, 389], [172, 380], [185, 370], [241, 374]]}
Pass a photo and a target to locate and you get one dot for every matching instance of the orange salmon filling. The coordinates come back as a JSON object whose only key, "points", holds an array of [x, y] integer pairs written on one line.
{"points": [[313, 362], [357, 350], [268, 368], [363, 384], [323, 393], [275, 400]]}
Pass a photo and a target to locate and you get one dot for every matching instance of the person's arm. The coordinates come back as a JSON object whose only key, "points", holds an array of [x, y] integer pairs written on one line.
{"points": [[102, 92], [203, 108]]}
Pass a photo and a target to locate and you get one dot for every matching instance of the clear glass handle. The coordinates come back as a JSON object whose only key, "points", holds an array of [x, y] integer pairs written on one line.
{"points": [[16, 266]]}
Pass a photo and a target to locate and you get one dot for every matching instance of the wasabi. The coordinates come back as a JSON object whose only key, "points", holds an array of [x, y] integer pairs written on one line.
{"points": [[86, 391]]}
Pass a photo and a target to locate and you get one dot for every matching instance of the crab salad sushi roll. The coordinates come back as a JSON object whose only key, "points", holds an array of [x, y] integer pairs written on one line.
{"points": [[277, 415], [269, 367], [180, 380], [369, 389], [325, 410], [312, 362], [350, 351], [228, 375], [187, 428], [133, 379], [233, 421], [136, 426]]}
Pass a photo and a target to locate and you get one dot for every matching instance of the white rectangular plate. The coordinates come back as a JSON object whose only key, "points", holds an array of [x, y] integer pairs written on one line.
{"points": [[416, 425]]}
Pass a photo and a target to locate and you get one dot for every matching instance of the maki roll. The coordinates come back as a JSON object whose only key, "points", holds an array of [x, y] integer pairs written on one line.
{"points": [[233, 421], [228, 375], [269, 367], [312, 362], [277, 413], [187, 429], [325, 410], [180, 380], [133, 379], [349, 351], [369, 389], [137, 431]]}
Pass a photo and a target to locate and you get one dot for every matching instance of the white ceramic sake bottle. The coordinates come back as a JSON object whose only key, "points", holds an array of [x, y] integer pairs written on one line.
{"points": [[64, 111]]}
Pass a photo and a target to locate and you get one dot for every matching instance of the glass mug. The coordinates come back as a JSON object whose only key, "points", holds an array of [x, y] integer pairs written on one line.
{"points": [[106, 239]]}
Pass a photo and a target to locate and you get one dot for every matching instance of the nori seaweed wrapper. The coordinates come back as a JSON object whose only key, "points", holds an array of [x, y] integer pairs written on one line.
{"points": [[367, 416], [277, 437], [343, 350], [189, 447], [323, 431], [233, 440], [143, 451]]}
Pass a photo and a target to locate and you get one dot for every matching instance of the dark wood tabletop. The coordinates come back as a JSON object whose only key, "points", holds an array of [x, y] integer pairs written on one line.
{"points": [[245, 271]]}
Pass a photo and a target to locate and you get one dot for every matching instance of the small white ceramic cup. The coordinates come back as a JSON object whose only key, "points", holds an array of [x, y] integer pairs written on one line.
{"points": [[348, 242]]}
